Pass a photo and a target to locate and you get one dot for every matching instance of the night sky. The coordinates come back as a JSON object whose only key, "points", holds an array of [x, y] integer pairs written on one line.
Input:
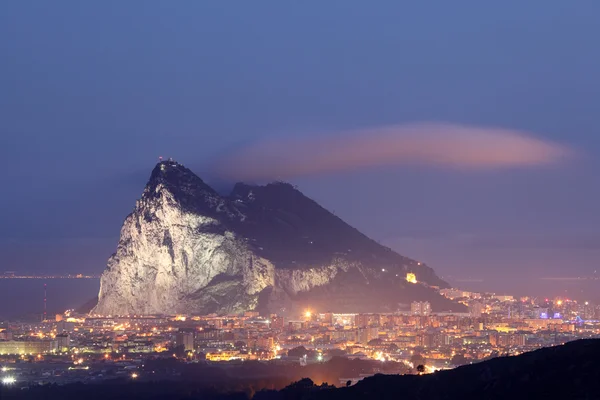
{"points": [[461, 133]]}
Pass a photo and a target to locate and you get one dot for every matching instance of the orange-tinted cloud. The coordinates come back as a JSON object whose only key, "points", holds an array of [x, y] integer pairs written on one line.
{"points": [[443, 145]]}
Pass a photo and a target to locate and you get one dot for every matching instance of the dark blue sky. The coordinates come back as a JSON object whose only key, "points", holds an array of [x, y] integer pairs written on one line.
{"points": [[92, 93]]}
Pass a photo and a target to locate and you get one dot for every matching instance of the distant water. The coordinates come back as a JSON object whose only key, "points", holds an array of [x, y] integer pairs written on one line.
{"points": [[577, 289], [24, 298]]}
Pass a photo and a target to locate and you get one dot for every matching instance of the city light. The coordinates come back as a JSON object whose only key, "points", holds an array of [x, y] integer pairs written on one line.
{"points": [[9, 380], [411, 278], [406, 330], [559, 303]]}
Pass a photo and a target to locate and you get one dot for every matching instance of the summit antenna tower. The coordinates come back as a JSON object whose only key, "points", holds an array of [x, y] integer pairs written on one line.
{"points": [[45, 293]]}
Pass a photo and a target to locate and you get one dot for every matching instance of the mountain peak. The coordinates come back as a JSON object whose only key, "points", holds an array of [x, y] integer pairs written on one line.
{"points": [[180, 181], [186, 248], [171, 171]]}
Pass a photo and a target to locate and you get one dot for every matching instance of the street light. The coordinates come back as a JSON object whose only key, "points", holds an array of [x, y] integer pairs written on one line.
{"points": [[9, 380]]}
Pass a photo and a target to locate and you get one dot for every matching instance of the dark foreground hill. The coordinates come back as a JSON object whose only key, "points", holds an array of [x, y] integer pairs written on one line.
{"points": [[571, 371]]}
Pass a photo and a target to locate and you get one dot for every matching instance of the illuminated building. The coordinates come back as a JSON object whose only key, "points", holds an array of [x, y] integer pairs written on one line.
{"points": [[265, 342], [5, 335], [565, 328], [326, 318], [26, 347], [296, 325], [185, 340], [65, 326], [208, 334], [468, 340], [364, 335], [343, 334], [587, 311], [226, 356], [420, 308], [540, 312], [541, 323], [493, 338], [476, 309], [364, 320], [63, 342], [217, 323], [344, 319], [411, 277], [453, 293], [277, 322], [511, 340]]}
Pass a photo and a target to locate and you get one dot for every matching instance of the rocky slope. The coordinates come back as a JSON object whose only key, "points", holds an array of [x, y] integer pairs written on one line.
{"points": [[185, 248]]}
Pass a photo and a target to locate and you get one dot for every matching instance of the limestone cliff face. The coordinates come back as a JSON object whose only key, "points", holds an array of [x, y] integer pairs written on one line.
{"points": [[186, 249]]}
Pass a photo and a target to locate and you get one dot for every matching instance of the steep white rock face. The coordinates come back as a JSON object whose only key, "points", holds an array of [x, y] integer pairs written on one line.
{"points": [[186, 249], [294, 281], [166, 256], [160, 258]]}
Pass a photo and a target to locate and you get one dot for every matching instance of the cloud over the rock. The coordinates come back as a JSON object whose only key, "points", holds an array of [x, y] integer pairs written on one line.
{"points": [[444, 145]]}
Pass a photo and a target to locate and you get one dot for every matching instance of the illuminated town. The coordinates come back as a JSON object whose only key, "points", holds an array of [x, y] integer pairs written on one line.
{"points": [[78, 347]]}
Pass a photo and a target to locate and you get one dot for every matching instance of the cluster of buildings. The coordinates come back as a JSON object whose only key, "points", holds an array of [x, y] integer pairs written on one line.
{"points": [[494, 325]]}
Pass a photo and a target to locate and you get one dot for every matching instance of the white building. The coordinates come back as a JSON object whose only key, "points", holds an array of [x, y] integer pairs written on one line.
{"points": [[420, 308]]}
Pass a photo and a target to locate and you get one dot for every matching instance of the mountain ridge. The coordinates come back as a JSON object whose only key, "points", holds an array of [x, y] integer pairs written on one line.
{"points": [[271, 241]]}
